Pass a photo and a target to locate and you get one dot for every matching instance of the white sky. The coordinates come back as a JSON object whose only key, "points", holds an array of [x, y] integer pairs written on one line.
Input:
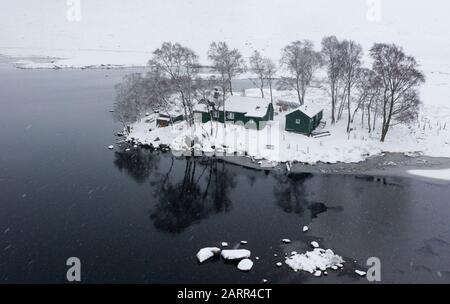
{"points": [[422, 27]]}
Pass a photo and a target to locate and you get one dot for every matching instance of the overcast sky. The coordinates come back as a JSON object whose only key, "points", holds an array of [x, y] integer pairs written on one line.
{"points": [[422, 27]]}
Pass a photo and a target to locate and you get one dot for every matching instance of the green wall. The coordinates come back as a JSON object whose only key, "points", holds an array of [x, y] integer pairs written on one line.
{"points": [[239, 117], [307, 124]]}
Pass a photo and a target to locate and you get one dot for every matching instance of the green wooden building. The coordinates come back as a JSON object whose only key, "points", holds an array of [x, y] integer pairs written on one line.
{"points": [[164, 120], [304, 119], [251, 112]]}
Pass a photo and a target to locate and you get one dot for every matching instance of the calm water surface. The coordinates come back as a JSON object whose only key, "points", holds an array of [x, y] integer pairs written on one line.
{"points": [[139, 216]]}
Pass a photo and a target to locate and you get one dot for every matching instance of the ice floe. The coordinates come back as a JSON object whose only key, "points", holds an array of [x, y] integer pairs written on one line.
{"points": [[312, 261], [207, 253], [235, 254], [245, 265]]}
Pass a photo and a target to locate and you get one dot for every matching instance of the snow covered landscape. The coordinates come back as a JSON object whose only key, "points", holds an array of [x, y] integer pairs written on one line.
{"points": [[209, 142], [428, 136]]}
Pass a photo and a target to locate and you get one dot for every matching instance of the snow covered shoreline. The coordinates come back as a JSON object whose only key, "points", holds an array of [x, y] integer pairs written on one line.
{"points": [[422, 144]]}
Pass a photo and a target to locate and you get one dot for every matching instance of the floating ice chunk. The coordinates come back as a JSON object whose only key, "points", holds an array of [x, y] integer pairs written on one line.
{"points": [[286, 241], [360, 273], [244, 242], [264, 280], [315, 244], [312, 261], [305, 228], [127, 149], [236, 254], [279, 264], [245, 265], [257, 258], [293, 252], [110, 147], [207, 253], [224, 244], [318, 273]]}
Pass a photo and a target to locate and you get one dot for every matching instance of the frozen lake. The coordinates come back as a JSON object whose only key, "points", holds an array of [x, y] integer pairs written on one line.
{"points": [[138, 216]]}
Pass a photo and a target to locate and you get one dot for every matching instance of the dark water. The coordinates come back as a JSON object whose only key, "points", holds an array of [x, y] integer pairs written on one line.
{"points": [[139, 216]]}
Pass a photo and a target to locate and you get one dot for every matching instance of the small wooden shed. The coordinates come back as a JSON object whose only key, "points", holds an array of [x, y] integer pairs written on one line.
{"points": [[304, 119]]}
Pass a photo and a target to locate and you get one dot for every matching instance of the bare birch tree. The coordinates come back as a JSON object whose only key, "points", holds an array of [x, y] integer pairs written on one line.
{"points": [[180, 65], [129, 101], [352, 54], [332, 56], [229, 63], [257, 66], [271, 70], [400, 80], [301, 61]]}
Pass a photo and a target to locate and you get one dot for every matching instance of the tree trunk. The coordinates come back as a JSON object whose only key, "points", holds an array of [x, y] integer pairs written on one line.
{"points": [[230, 86], [270, 89], [262, 88], [333, 104], [388, 121], [362, 117], [298, 92], [375, 117], [348, 109]]}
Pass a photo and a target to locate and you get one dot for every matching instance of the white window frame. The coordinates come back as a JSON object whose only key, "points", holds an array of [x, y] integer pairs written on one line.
{"points": [[297, 121], [230, 115], [216, 114]]}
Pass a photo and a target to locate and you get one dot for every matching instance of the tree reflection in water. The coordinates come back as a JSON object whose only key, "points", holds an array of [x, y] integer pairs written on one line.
{"points": [[185, 190], [203, 190], [291, 194], [138, 163]]}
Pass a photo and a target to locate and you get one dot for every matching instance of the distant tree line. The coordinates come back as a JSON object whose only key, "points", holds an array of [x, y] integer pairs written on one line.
{"points": [[388, 88]]}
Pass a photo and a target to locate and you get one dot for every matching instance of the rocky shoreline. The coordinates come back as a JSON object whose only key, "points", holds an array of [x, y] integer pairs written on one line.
{"points": [[386, 164]]}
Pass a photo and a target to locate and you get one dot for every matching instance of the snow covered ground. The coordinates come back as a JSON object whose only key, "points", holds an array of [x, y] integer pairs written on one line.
{"points": [[443, 174], [429, 136]]}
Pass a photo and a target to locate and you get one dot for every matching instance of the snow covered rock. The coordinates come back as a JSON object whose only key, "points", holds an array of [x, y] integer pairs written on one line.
{"points": [[312, 261], [244, 242], [360, 273], [224, 244], [286, 241], [245, 265], [235, 254], [315, 244], [318, 273], [207, 253], [110, 147], [305, 228]]}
